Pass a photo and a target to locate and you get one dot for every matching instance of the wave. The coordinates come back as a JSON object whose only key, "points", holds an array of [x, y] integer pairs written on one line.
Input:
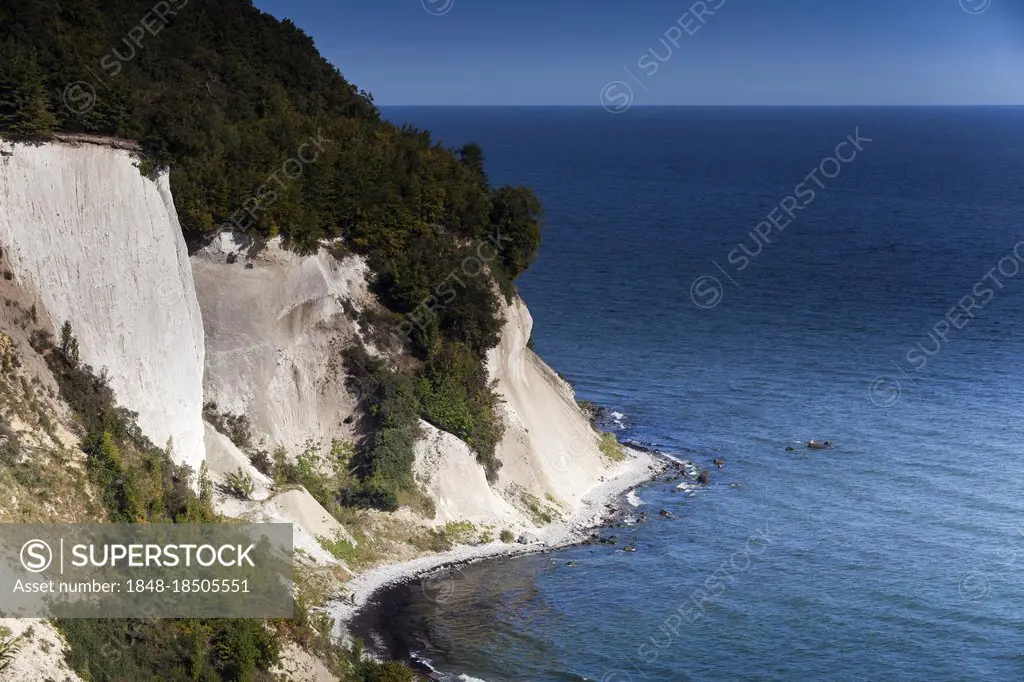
{"points": [[436, 674]]}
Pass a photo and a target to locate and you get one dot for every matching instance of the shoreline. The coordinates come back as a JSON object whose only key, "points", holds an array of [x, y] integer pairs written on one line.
{"points": [[599, 505]]}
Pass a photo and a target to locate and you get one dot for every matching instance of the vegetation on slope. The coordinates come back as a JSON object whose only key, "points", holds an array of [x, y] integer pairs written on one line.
{"points": [[264, 135], [140, 483]]}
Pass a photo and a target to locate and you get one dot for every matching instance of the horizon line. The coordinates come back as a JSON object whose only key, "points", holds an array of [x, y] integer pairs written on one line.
{"points": [[720, 106]]}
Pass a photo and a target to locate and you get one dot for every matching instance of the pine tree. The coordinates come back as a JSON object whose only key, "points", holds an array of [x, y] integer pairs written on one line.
{"points": [[24, 106]]}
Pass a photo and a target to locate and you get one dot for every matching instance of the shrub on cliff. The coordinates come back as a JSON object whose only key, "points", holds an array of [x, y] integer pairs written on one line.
{"points": [[238, 483], [515, 215], [372, 671], [172, 650], [140, 483], [455, 397]]}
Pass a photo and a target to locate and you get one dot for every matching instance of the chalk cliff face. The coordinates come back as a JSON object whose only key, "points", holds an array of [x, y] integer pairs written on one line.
{"points": [[99, 245], [549, 445], [549, 451], [275, 329], [447, 469]]}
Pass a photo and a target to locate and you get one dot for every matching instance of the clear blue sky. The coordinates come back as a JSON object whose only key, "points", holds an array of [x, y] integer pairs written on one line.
{"points": [[747, 52]]}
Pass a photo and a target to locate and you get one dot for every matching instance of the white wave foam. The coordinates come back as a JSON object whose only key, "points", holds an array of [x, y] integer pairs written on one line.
{"points": [[634, 499], [688, 488], [424, 661], [429, 665], [618, 419]]}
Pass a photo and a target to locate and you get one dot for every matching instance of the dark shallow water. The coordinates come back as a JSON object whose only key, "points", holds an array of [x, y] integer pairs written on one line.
{"points": [[896, 555]]}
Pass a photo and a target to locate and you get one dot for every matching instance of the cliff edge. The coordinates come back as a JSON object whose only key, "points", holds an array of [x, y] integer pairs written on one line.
{"points": [[99, 246]]}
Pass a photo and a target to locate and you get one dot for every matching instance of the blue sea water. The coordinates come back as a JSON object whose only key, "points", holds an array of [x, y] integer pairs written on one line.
{"points": [[887, 316]]}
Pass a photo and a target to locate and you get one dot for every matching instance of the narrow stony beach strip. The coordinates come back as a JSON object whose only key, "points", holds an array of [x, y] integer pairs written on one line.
{"points": [[598, 505]]}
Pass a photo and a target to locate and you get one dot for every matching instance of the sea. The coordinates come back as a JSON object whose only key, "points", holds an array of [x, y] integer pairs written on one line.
{"points": [[730, 283]]}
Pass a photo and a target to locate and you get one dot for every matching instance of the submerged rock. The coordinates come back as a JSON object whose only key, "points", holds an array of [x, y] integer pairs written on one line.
{"points": [[704, 478], [718, 462]]}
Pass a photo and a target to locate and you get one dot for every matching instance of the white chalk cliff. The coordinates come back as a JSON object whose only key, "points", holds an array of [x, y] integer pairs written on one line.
{"points": [[549, 445], [275, 328], [549, 450], [99, 246]]}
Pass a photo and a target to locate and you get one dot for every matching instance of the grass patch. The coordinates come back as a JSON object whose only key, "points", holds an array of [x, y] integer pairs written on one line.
{"points": [[611, 447], [451, 534], [458, 531], [541, 514], [340, 549], [9, 647]]}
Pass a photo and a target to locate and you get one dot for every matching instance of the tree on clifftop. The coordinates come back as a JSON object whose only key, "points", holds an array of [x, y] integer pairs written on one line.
{"points": [[24, 105]]}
